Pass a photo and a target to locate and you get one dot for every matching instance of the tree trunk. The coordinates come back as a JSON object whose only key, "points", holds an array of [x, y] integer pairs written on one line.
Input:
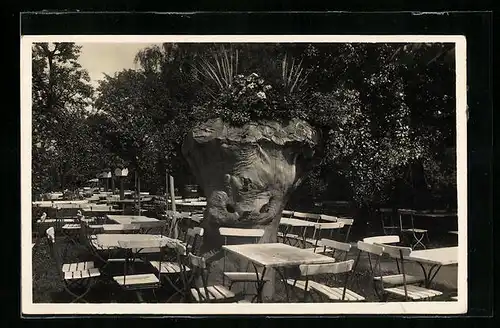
{"points": [[247, 174]]}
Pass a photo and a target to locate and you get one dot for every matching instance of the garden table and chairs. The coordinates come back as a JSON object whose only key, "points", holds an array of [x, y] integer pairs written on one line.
{"points": [[290, 224], [431, 261], [277, 256]]}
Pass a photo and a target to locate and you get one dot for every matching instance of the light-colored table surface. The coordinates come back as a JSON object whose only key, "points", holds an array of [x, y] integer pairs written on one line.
{"points": [[107, 241], [236, 232], [130, 219], [296, 222], [437, 256], [276, 254]]}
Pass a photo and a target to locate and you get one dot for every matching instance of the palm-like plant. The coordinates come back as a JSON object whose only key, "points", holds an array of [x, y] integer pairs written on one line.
{"points": [[293, 75], [220, 72]]}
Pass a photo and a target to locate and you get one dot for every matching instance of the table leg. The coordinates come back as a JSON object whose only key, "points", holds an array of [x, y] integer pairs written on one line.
{"points": [[283, 279], [260, 284], [429, 275]]}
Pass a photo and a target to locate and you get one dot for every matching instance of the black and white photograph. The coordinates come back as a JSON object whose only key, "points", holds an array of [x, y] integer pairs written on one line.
{"points": [[244, 174]]}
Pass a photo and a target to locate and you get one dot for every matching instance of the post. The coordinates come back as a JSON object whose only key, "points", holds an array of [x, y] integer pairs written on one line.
{"points": [[139, 193], [166, 191], [122, 190], [113, 184], [172, 197]]}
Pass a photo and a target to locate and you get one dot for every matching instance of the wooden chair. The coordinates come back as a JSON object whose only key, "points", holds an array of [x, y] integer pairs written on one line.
{"points": [[406, 223], [344, 232], [75, 276], [131, 281], [207, 293], [388, 222], [192, 239], [254, 236], [319, 229], [337, 293], [336, 249], [402, 284], [374, 252], [301, 236]]}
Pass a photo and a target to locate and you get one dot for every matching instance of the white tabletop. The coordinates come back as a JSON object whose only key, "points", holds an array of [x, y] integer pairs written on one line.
{"points": [[297, 222], [277, 254], [130, 219], [236, 232], [107, 241], [439, 256]]}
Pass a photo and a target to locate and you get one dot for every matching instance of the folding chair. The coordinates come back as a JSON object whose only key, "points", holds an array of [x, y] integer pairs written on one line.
{"points": [[241, 277], [336, 249], [338, 293], [408, 228], [402, 283], [79, 277], [301, 237], [192, 239], [319, 228], [131, 281], [389, 225], [208, 293], [346, 229]]}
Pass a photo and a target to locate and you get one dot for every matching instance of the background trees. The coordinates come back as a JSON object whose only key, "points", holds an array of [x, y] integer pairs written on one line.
{"points": [[387, 112], [64, 149]]}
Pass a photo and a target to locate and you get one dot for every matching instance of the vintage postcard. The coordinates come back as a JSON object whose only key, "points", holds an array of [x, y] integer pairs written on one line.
{"points": [[297, 174]]}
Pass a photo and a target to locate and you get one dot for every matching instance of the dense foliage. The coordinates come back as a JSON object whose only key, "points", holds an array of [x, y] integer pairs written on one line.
{"points": [[386, 111]]}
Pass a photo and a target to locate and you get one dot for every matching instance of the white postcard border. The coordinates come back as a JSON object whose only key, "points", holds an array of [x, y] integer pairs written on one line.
{"points": [[30, 308]]}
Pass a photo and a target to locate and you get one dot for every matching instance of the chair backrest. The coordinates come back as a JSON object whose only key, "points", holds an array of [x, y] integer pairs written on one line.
{"points": [[328, 226], [319, 227], [346, 221], [193, 239], [199, 271], [333, 268], [390, 239], [396, 252], [406, 218], [329, 218], [307, 216], [370, 248], [287, 213], [337, 245]]}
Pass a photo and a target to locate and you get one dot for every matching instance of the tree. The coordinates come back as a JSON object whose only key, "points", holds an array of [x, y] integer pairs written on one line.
{"points": [[62, 95]]}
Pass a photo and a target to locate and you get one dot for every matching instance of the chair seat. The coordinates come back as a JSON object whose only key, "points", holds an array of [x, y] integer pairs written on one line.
{"points": [[336, 293], [414, 292], [82, 274], [168, 267], [333, 293], [215, 293], [137, 280], [397, 279], [78, 266], [301, 284], [415, 230], [244, 276]]}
